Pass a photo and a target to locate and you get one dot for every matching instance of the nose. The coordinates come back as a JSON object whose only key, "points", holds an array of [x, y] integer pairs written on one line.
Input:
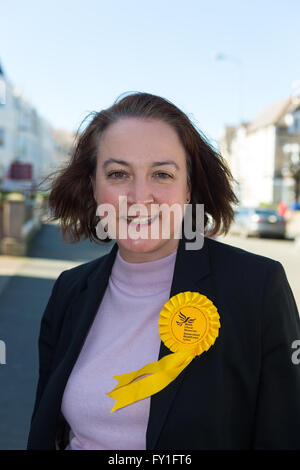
{"points": [[140, 192]]}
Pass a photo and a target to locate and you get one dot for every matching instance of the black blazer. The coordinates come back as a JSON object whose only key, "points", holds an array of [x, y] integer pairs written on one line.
{"points": [[243, 393]]}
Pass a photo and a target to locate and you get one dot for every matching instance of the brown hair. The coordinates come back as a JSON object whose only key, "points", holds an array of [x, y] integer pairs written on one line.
{"points": [[71, 197]]}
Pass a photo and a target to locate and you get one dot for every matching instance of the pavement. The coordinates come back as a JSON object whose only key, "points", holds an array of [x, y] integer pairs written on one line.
{"points": [[25, 287]]}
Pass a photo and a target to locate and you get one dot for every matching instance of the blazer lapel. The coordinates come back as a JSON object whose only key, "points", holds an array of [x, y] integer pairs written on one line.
{"points": [[192, 272]]}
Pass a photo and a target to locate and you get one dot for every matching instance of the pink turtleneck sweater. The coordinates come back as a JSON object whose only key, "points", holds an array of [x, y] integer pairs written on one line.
{"points": [[123, 338]]}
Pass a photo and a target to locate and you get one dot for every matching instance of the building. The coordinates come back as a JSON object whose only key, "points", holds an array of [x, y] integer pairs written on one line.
{"points": [[25, 137], [264, 155]]}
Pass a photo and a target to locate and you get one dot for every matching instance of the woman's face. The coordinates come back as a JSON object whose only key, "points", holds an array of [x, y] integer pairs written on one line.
{"points": [[143, 160]]}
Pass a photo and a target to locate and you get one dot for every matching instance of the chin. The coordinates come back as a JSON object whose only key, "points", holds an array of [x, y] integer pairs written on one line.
{"points": [[141, 246]]}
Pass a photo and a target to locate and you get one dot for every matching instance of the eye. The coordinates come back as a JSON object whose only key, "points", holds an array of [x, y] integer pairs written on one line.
{"points": [[116, 174], [163, 175]]}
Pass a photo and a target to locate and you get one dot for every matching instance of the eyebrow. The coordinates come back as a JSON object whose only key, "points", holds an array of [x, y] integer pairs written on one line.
{"points": [[123, 162]]}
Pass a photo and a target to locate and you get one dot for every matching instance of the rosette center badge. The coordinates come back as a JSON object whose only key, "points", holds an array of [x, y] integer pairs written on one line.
{"points": [[189, 321], [189, 325]]}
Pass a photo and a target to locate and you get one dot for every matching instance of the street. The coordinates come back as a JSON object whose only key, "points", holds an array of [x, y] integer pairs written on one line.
{"points": [[25, 287]]}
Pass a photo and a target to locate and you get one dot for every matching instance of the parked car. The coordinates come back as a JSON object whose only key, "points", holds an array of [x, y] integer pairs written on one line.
{"points": [[258, 222]]}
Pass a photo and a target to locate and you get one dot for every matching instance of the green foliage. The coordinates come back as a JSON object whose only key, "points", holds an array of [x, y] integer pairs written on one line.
{"points": [[11, 195], [42, 195], [268, 205], [15, 197]]}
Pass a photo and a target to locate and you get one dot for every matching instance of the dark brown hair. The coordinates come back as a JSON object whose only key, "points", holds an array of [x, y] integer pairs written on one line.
{"points": [[71, 198]]}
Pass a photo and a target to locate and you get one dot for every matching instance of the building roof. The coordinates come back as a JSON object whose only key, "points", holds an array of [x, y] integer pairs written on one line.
{"points": [[271, 115]]}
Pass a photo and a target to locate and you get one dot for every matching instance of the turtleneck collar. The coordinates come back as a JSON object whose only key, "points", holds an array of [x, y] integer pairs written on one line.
{"points": [[147, 278]]}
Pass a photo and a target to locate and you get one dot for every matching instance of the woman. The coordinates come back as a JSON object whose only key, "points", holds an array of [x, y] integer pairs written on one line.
{"points": [[105, 318]]}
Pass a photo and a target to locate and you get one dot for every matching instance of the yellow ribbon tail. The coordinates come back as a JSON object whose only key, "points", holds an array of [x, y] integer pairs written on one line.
{"points": [[159, 375]]}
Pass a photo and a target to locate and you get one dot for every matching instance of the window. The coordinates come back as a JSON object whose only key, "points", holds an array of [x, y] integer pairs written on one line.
{"points": [[297, 121], [265, 212]]}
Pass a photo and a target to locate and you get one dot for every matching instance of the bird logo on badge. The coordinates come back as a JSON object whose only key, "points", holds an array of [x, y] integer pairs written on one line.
{"points": [[185, 319]]}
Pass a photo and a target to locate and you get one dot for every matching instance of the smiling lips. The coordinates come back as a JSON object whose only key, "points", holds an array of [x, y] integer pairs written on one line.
{"points": [[136, 220]]}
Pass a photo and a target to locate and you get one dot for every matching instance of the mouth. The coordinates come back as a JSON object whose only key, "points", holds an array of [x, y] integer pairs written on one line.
{"points": [[141, 220]]}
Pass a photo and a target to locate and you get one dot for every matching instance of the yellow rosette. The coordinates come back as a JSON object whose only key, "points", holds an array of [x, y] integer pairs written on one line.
{"points": [[189, 324]]}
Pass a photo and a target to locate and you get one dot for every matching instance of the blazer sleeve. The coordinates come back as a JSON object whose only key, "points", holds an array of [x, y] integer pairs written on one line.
{"points": [[46, 342], [278, 402]]}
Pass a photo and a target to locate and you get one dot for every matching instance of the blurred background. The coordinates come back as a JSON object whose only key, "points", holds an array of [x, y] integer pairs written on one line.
{"points": [[232, 66]]}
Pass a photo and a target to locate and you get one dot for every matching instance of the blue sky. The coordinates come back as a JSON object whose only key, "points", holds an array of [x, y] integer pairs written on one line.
{"points": [[71, 57]]}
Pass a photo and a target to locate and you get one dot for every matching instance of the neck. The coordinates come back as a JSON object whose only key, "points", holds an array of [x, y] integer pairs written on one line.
{"points": [[142, 257]]}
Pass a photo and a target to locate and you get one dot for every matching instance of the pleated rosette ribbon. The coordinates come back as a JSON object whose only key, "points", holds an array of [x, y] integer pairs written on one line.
{"points": [[189, 324]]}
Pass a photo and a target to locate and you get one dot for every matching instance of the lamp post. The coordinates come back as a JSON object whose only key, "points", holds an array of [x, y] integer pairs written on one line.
{"points": [[238, 62]]}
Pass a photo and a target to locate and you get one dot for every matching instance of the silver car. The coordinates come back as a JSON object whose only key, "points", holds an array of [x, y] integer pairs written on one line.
{"points": [[258, 222]]}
